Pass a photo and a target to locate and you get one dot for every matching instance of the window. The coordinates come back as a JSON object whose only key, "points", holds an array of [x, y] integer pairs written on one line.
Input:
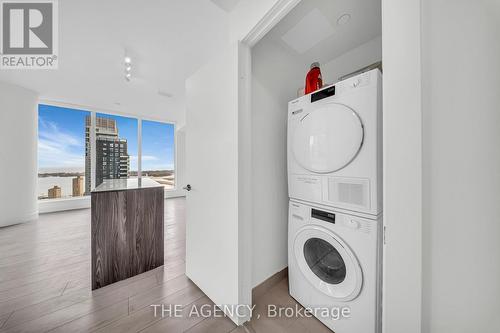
{"points": [[158, 152], [66, 151], [61, 152]]}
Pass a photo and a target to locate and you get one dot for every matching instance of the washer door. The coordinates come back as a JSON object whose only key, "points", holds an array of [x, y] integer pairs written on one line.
{"points": [[328, 138], [328, 263]]}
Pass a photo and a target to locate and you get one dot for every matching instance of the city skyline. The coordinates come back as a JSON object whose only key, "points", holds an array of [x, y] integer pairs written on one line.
{"points": [[61, 150], [62, 140]]}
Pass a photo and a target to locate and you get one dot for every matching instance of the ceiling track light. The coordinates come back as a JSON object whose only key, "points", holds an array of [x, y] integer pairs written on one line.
{"points": [[128, 68]]}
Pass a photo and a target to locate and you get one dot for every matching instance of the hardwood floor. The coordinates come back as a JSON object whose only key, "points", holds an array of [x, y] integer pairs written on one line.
{"points": [[45, 284]]}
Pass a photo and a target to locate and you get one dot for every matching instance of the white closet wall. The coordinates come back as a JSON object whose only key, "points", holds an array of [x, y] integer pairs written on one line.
{"points": [[276, 79]]}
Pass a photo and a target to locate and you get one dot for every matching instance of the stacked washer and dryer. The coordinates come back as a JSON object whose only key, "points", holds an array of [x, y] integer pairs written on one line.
{"points": [[335, 209]]}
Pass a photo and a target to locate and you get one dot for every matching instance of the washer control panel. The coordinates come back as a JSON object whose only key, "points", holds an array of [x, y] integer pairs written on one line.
{"points": [[305, 214], [322, 215]]}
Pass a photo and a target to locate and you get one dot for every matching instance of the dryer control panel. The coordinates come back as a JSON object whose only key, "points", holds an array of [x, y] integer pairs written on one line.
{"points": [[353, 83], [324, 93]]}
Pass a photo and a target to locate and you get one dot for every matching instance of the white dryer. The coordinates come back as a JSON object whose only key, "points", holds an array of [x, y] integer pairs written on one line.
{"points": [[335, 145], [334, 263]]}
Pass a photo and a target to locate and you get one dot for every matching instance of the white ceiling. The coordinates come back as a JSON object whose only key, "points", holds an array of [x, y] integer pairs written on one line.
{"points": [[327, 40], [167, 40], [227, 5]]}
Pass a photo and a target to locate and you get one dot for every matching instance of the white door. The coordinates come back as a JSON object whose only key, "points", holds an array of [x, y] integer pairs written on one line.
{"points": [[213, 246]]}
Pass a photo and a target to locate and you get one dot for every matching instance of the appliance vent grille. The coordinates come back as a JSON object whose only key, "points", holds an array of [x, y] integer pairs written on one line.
{"points": [[351, 193]]}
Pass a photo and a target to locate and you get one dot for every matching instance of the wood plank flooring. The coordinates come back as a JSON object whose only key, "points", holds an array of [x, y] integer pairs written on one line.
{"points": [[45, 284]]}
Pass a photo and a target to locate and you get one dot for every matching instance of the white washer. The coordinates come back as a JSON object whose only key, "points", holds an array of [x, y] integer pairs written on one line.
{"points": [[335, 262], [335, 145]]}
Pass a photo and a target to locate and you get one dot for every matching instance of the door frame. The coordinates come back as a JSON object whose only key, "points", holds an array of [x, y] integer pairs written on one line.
{"points": [[402, 152], [402, 159]]}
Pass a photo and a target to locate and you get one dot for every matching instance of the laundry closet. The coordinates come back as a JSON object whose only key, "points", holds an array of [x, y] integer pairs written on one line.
{"points": [[344, 36]]}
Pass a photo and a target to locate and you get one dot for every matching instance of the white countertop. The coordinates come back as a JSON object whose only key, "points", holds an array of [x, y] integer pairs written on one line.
{"points": [[125, 184]]}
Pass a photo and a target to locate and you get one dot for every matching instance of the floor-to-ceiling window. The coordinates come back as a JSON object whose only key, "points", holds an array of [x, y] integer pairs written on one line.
{"points": [[61, 152], [158, 152], [79, 149]]}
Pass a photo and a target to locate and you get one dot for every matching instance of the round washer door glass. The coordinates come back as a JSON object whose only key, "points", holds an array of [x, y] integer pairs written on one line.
{"points": [[328, 138], [324, 260], [327, 262]]}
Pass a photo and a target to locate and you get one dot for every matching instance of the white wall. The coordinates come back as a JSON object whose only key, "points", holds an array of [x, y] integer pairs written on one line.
{"points": [[276, 77], [18, 154], [363, 55], [402, 166], [461, 184], [275, 80]]}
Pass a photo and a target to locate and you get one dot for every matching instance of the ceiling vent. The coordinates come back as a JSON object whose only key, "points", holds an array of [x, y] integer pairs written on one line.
{"points": [[309, 31]]}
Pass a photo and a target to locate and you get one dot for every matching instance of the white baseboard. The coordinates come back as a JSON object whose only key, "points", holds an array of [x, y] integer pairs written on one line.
{"points": [[57, 205], [23, 219], [175, 194]]}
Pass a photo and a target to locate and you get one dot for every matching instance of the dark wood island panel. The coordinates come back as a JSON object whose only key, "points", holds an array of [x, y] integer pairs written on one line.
{"points": [[126, 233]]}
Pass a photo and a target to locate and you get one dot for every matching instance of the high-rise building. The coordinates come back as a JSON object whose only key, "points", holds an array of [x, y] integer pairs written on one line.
{"points": [[112, 159], [78, 186], [54, 192]]}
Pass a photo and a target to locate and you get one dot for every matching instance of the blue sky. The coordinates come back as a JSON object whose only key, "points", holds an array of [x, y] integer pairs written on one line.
{"points": [[61, 139], [61, 145], [157, 146]]}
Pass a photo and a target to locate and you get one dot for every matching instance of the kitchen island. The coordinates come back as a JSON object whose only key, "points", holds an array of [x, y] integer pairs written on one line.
{"points": [[126, 229]]}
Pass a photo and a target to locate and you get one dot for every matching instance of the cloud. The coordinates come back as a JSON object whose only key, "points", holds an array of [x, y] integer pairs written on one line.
{"points": [[57, 148]]}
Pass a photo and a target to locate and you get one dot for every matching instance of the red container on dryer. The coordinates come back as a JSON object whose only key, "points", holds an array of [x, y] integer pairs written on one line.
{"points": [[313, 79]]}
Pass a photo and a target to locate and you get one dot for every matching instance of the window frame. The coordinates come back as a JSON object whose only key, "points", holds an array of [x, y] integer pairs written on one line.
{"points": [[60, 204], [139, 151]]}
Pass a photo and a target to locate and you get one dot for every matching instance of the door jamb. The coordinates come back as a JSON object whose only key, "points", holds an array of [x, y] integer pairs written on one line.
{"points": [[274, 16]]}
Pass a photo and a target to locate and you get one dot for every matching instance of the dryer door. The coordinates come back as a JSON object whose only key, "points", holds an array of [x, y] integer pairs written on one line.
{"points": [[328, 138], [328, 263]]}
